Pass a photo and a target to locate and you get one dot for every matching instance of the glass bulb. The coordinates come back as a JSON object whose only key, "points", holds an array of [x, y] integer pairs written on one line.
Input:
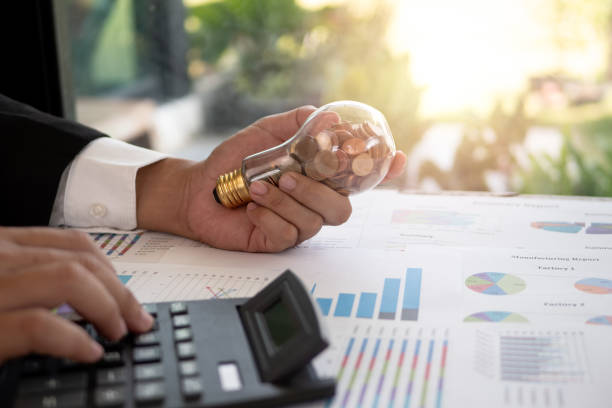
{"points": [[346, 145]]}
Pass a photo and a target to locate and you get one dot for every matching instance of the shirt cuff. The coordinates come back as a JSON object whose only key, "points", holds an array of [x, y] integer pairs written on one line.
{"points": [[100, 186]]}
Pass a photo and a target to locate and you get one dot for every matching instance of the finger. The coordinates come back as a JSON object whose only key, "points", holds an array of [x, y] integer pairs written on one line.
{"points": [[307, 222], [271, 233], [26, 257], [284, 125], [56, 238], [332, 206], [397, 166], [40, 331], [64, 282]]}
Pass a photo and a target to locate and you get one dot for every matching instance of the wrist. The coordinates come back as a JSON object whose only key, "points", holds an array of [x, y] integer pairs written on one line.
{"points": [[161, 190]]}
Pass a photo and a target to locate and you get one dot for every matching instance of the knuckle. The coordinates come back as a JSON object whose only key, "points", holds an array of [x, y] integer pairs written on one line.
{"points": [[316, 225], [276, 200], [290, 234], [33, 323], [342, 215], [70, 272]]}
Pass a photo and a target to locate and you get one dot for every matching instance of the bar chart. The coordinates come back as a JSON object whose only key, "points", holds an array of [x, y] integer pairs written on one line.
{"points": [[362, 305], [382, 369], [115, 245], [558, 357]]}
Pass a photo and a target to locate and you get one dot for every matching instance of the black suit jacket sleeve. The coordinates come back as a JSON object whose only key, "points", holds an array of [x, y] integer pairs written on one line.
{"points": [[36, 148]]}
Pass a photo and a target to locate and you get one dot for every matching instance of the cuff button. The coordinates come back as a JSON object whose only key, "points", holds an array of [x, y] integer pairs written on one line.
{"points": [[97, 210]]}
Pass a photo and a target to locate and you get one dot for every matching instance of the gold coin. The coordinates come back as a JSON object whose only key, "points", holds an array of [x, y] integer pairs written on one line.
{"points": [[354, 146], [311, 171], [324, 140], [343, 126], [291, 164], [306, 148], [372, 129], [326, 163], [343, 160], [362, 165], [342, 136]]}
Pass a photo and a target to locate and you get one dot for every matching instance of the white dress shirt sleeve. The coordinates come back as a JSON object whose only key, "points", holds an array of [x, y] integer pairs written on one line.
{"points": [[98, 189]]}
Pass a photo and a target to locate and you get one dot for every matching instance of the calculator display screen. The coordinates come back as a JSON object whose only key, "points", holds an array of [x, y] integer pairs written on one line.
{"points": [[280, 323]]}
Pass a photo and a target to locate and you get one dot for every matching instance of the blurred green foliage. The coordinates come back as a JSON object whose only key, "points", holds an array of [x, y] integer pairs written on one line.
{"points": [[275, 50], [278, 50], [583, 166]]}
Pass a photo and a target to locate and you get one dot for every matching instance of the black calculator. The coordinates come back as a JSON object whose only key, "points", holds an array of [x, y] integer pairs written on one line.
{"points": [[205, 353]]}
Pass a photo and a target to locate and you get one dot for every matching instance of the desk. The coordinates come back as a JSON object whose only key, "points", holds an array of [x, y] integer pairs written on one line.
{"points": [[432, 300]]}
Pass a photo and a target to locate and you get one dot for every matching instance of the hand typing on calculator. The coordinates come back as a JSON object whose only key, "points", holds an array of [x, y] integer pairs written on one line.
{"points": [[43, 268]]}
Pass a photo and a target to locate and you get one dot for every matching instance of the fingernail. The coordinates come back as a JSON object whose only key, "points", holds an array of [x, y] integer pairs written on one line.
{"points": [[146, 320], [96, 350], [258, 188], [251, 206], [287, 182]]}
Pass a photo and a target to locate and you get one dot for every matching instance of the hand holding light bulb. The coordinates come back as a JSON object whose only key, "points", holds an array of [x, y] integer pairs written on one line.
{"points": [[346, 145], [175, 195]]}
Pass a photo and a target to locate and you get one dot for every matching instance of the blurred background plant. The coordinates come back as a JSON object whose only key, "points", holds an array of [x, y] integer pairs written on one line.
{"points": [[511, 95]]}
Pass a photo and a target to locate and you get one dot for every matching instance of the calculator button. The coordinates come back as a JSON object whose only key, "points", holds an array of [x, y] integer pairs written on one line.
{"points": [[188, 368], [191, 387], [146, 354], [149, 391], [109, 396], [33, 366], [150, 308], [147, 339], [72, 399], [185, 350], [110, 376], [182, 334], [177, 308], [59, 382], [68, 364], [181, 321], [111, 358], [148, 372]]}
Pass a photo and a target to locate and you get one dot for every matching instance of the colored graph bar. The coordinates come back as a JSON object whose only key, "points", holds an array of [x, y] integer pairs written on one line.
{"points": [[98, 236], [415, 360], [442, 369], [107, 241], [344, 306], [427, 372], [345, 358], [388, 305], [383, 374], [117, 244], [347, 394], [125, 278], [365, 309], [130, 245], [324, 305], [398, 371], [412, 294], [366, 381]]}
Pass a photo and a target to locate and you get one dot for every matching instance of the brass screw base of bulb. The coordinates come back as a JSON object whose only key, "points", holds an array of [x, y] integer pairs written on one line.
{"points": [[231, 190]]}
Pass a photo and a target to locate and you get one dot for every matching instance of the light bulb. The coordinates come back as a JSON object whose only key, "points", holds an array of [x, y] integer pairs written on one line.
{"points": [[347, 145]]}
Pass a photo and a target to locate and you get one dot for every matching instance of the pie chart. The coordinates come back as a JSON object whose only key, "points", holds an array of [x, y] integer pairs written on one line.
{"points": [[601, 320], [496, 317], [495, 283], [555, 226], [599, 228], [595, 286]]}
